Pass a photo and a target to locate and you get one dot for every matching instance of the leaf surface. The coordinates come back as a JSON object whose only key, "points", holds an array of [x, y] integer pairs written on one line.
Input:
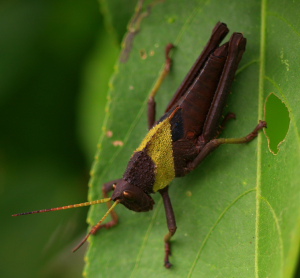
{"points": [[238, 213]]}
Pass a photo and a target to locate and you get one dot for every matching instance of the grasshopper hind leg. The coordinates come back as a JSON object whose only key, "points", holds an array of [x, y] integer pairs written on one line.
{"points": [[228, 117]]}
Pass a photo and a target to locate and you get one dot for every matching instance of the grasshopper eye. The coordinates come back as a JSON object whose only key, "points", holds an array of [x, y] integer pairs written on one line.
{"points": [[128, 196]]}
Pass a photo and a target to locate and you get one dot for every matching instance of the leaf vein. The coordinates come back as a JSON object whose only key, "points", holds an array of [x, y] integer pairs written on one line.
{"points": [[288, 23], [276, 219], [214, 226], [260, 111]]}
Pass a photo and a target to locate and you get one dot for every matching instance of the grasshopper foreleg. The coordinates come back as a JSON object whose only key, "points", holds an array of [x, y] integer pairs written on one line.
{"points": [[108, 187]]}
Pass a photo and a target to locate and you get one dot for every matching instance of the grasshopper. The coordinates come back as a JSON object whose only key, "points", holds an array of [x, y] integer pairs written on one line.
{"points": [[179, 141]]}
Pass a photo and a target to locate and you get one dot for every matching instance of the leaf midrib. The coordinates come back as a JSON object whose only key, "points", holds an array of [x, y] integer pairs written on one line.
{"points": [[259, 139]]}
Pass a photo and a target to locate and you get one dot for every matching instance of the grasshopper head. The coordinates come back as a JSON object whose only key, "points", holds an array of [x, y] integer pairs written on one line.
{"points": [[132, 197]]}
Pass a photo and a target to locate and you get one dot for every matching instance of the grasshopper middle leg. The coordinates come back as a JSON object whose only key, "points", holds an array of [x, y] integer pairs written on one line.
{"points": [[151, 101], [171, 224]]}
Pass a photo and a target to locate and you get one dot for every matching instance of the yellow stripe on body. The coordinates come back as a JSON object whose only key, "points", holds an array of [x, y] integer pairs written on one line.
{"points": [[159, 147]]}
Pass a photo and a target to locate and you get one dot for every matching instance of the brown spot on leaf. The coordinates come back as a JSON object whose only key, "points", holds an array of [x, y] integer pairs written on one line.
{"points": [[109, 133], [118, 143], [143, 54]]}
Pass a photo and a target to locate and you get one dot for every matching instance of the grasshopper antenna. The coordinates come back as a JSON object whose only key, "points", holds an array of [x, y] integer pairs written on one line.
{"points": [[94, 229], [97, 226], [66, 207]]}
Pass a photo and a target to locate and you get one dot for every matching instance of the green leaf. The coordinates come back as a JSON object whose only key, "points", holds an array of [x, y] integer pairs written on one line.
{"points": [[238, 213]]}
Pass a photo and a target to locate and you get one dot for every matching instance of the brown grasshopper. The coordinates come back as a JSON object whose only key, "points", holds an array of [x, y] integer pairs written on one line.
{"points": [[179, 141]]}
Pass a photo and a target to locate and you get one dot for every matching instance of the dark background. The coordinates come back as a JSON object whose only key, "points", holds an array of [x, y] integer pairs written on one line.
{"points": [[53, 84]]}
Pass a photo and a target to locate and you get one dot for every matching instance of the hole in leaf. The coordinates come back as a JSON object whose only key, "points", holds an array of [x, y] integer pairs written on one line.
{"points": [[278, 120]]}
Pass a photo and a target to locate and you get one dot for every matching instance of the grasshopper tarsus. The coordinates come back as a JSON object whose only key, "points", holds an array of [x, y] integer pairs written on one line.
{"points": [[168, 64], [167, 263]]}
